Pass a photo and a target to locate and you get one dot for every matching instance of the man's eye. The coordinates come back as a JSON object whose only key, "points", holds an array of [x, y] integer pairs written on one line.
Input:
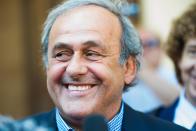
{"points": [[93, 55], [63, 56]]}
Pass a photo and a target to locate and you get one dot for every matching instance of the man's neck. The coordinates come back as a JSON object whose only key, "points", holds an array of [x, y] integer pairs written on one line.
{"points": [[116, 120]]}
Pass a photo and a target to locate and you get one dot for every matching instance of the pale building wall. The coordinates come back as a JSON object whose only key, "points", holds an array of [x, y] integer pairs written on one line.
{"points": [[159, 14]]}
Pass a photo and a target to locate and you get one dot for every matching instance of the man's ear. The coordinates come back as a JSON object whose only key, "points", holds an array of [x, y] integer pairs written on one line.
{"points": [[130, 69]]}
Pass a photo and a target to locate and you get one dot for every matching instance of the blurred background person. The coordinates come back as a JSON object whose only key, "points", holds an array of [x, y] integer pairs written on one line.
{"points": [[156, 86], [9, 124], [181, 48]]}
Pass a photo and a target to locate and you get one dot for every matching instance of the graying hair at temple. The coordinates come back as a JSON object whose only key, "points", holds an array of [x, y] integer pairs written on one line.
{"points": [[130, 42]]}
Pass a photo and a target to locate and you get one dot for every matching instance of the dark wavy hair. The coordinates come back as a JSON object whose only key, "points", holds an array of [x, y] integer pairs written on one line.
{"points": [[182, 30]]}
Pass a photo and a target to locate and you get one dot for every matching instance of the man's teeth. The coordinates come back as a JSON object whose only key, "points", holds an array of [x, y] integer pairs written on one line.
{"points": [[78, 88]]}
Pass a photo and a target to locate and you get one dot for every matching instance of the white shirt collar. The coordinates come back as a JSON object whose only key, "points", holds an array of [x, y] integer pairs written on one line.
{"points": [[185, 113]]}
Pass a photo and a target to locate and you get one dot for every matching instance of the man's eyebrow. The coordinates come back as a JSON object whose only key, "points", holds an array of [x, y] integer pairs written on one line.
{"points": [[60, 45], [93, 44]]}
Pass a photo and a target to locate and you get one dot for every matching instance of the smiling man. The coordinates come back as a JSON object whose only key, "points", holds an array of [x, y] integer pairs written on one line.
{"points": [[84, 75], [92, 52]]}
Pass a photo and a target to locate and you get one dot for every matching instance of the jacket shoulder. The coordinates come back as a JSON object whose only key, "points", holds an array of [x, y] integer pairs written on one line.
{"points": [[139, 121], [166, 113]]}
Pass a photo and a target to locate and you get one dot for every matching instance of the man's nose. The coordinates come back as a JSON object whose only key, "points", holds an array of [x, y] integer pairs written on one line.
{"points": [[76, 66]]}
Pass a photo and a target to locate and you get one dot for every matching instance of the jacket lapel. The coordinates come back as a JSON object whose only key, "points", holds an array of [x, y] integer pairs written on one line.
{"points": [[131, 120], [168, 113]]}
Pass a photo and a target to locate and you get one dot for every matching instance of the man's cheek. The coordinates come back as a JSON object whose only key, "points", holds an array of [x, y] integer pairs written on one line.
{"points": [[99, 70], [56, 71]]}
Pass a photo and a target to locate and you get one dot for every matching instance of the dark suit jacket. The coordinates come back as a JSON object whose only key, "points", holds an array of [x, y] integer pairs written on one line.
{"points": [[132, 121], [166, 113]]}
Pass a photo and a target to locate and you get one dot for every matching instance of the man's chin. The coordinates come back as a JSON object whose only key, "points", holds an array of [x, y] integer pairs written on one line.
{"points": [[77, 115]]}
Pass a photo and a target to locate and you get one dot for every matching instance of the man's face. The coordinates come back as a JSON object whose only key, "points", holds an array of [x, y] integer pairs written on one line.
{"points": [[84, 75], [188, 69]]}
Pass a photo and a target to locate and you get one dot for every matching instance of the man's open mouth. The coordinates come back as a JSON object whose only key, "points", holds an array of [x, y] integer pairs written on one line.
{"points": [[79, 87]]}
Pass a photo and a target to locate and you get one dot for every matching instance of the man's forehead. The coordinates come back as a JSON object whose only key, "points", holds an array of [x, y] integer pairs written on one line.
{"points": [[88, 17], [92, 13]]}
